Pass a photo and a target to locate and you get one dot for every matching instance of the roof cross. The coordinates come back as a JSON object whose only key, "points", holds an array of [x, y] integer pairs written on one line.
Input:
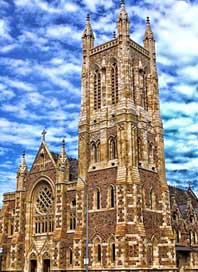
{"points": [[43, 134], [189, 184]]}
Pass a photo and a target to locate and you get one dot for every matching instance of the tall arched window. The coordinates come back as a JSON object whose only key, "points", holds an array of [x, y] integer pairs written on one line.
{"points": [[97, 251], [97, 199], [112, 196], [93, 152], [112, 148], [112, 250], [72, 215], [43, 213], [97, 90], [69, 257], [114, 84]]}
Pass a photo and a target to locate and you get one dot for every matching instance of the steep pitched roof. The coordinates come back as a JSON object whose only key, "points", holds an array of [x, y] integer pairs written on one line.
{"points": [[181, 197]]}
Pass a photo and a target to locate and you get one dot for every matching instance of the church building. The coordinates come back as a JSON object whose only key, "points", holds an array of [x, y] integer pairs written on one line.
{"points": [[112, 209]]}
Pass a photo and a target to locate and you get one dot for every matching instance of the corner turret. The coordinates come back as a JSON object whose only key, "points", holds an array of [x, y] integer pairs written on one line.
{"points": [[63, 165], [22, 173], [149, 44], [88, 37]]}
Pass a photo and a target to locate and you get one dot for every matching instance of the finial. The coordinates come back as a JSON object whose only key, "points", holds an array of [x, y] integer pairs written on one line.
{"points": [[62, 156], [88, 17], [63, 142], [189, 184], [22, 165], [148, 20], [44, 134], [114, 34], [122, 2]]}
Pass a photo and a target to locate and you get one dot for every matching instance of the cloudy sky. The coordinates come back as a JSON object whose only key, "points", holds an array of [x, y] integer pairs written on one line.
{"points": [[40, 66]]}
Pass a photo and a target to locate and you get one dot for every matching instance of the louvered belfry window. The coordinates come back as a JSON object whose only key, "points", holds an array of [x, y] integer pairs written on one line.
{"points": [[114, 84], [97, 90]]}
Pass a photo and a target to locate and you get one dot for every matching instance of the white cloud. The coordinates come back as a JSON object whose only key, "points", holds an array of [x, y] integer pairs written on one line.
{"points": [[92, 4], [7, 48], [190, 72], [4, 30], [63, 32]]}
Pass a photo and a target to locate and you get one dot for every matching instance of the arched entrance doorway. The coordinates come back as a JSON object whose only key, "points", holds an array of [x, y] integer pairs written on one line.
{"points": [[46, 262], [33, 263], [46, 265]]}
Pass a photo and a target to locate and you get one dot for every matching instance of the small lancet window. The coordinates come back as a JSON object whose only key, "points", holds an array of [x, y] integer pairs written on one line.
{"points": [[70, 257], [114, 84], [112, 196], [97, 198], [112, 148], [99, 253], [97, 90], [113, 253]]}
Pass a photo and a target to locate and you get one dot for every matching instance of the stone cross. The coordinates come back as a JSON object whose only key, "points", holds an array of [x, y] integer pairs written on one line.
{"points": [[43, 134]]}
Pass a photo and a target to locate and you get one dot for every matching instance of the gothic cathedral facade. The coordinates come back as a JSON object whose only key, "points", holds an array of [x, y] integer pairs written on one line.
{"points": [[116, 194]]}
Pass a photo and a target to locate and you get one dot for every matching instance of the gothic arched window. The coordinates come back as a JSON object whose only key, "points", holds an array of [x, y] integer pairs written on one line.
{"points": [[112, 196], [112, 148], [43, 213], [97, 90], [112, 250], [93, 152], [69, 257], [114, 84], [72, 215], [97, 199]]}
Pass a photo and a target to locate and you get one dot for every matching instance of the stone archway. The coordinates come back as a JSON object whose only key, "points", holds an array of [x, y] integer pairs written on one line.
{"points": [[46, 262]]}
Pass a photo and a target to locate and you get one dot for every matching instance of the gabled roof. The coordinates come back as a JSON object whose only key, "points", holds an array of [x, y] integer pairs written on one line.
{"points": [[44, 152], [182, 197]]}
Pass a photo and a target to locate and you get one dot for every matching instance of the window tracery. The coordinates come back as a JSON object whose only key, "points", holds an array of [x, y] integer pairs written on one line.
{"points": [[72, 215], [95, 151], [43, 213]]}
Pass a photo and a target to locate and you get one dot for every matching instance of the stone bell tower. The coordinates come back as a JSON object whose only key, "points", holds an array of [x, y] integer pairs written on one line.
{"points": [[121, 145]]}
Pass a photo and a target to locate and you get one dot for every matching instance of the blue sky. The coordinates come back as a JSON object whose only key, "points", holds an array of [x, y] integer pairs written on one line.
{"points": [[40, 66]]}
